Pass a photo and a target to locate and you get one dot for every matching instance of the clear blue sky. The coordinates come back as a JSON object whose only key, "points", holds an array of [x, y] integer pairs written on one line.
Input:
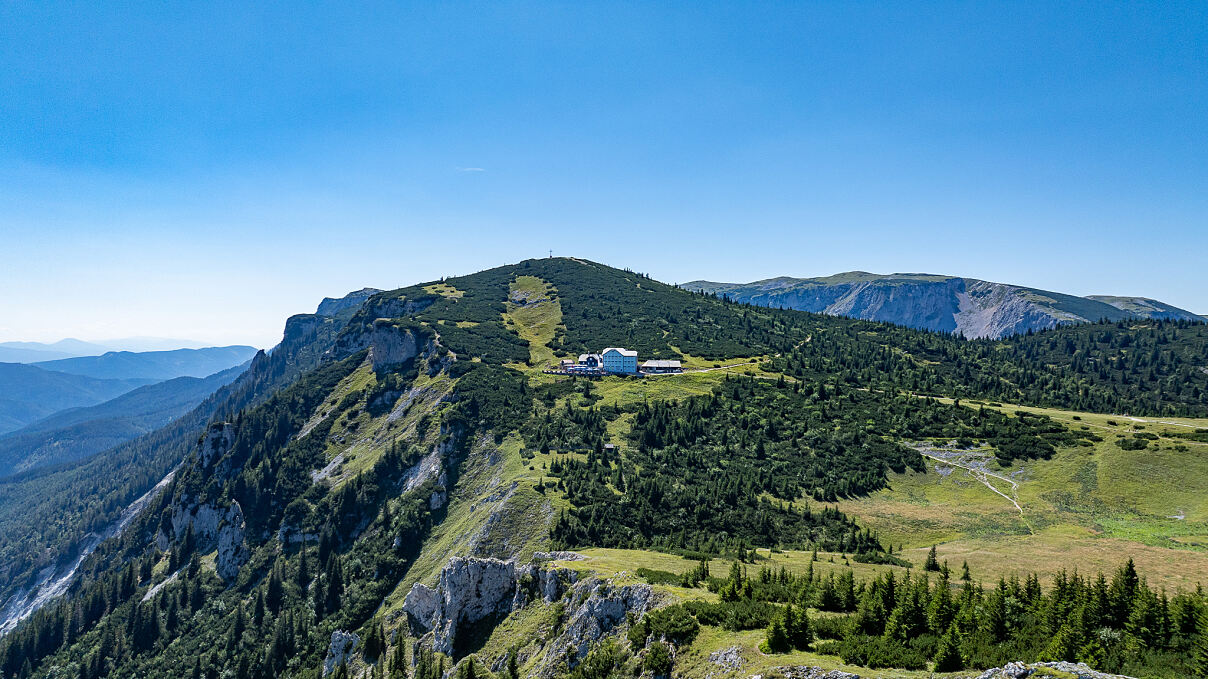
{"points": [[201, 170]]}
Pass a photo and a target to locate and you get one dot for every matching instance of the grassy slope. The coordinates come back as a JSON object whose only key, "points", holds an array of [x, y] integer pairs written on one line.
{"points": [[1088, 508]]}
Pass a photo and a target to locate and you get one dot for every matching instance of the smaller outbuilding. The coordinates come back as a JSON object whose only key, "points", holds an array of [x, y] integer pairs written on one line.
{"points": [[590, 360], [657, 366]]}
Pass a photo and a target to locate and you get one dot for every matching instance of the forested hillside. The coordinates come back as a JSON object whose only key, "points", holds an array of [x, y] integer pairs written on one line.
{"points": [[352, 462], [78, 433]]}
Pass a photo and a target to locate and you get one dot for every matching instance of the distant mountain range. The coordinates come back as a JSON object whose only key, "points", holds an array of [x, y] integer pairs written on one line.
{"points": [[31, 352], [77, 433], [30, 392], [972, 307], [156, 365]]}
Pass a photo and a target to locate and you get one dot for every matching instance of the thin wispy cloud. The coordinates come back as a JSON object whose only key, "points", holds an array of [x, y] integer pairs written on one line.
{"points": [[471, 169]]}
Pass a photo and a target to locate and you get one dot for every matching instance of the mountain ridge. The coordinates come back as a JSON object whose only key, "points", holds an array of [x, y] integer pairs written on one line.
{"points": [[76, 433], [971, 307], [156, 365]]}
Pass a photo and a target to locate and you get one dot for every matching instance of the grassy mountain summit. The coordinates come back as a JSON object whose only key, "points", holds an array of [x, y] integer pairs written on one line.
{"points": [[968, 306], [311, 526]]}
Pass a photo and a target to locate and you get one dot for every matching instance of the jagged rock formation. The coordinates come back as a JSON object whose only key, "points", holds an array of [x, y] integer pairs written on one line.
{"points": [[223, 526], [474, 591], [972, 307], [342, 646], [603, 608], [1014, 670], [389, 343], [471, 590], [1018, 670]]}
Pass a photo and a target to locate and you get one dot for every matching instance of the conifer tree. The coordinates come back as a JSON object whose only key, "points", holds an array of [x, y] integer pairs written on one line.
{"points": [[1200, 658], [932, 563], [948, 653]]}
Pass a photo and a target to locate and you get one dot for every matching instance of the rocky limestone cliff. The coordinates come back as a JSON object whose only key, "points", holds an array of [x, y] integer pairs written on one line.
{"points": [[474, 591], [389, 343], [1014, 670], [330, 306], [972, 307], [471, 590], [220, 525]]}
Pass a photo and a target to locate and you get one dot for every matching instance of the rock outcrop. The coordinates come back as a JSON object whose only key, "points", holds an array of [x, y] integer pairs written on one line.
{"points": [[602, 608], [389, 342], [217, 442], [330, 306], [340, 650], [472, 590], [222, 526], [1013, 670], [1018, 670]]}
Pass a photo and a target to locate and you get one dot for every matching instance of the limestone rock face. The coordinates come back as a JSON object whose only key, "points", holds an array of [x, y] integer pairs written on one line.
{"points": [[330, 306], [1018, 670], [374, 317], [470, 590], [390, 345], [219, 439], [603, 608], [233, 552], [211, 524], [340, 650]]}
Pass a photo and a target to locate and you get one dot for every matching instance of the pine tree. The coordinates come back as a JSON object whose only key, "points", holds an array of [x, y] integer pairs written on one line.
{"points": [[942, 610], [948, 653], [1200, 659], [965, 576], [932, 563], [274, 594], [1065, 645], [797, 627], [778, 636]]}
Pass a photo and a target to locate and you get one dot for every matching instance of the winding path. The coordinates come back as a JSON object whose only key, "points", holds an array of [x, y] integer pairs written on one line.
{"points": [[984, 476]]}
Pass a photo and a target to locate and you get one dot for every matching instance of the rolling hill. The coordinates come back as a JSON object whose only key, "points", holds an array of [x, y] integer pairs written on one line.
{"points": [[967, 306]]}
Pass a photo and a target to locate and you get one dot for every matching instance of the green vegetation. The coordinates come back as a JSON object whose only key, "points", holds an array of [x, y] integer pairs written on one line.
{"points": [[712, 473], [356, 483], [1139, 367]]}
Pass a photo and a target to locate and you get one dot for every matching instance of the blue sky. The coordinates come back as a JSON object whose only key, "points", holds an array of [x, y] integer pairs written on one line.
{"points": [[203, 170]]}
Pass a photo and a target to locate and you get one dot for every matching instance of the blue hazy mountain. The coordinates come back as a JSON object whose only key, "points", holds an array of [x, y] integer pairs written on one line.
{"points": [[153, 365], [29, 393], [78, 433]]}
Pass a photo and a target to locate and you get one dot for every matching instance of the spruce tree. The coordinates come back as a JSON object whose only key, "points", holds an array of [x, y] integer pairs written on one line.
{"points": [[948, 653], [932, 563], [1200, 659], [778, 636]]}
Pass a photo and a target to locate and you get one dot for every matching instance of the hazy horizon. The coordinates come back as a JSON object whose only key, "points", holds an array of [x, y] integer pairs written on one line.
{"points": [[206, 171]]}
